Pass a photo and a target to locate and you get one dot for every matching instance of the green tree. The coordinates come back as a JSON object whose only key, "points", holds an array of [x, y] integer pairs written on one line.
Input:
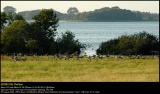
{"points": [[7, 19], [32, 46], [72, 11], [48, 21], [14, 37], [10, 18], [3, 19], [43, 30], [68, 45], [11, 12], [9, 9]]}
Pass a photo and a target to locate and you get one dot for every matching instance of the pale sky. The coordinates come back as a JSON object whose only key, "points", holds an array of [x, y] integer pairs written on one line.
{"points": [[62, 6]]}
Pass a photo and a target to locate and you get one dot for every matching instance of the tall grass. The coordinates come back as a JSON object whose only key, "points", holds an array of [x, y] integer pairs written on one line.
{"points": [[52, 69]]}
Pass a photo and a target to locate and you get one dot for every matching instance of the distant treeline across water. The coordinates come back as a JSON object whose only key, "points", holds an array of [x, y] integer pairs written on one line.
{"points": [[100, 15]]}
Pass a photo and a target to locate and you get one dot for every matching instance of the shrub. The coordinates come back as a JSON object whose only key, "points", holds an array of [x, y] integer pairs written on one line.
{"points": [[137, 44], [68, 45]]}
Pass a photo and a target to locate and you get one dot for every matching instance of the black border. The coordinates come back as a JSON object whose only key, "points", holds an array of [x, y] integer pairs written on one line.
{"points": [[101, 87]]}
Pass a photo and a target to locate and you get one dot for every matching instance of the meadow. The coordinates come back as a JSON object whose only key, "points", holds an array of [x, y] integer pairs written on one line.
{"points": [[53, 69]]}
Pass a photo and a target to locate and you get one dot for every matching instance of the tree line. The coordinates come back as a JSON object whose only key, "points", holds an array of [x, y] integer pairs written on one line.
{"points": [[115, 14], [38, 37], [141, 43], [103, 14]]}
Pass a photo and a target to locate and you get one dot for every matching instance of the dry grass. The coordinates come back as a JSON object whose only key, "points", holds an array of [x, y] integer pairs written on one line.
{"points": [[51, 69]]}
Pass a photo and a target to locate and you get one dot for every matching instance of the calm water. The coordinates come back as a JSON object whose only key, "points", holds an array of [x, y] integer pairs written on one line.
{"points": [[93, 33]]}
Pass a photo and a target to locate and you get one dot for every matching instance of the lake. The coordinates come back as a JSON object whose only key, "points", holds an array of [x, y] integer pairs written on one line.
{"points": [[93, 33]]}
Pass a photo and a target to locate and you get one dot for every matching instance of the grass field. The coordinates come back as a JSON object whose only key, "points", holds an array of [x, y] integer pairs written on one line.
{"points": [[108, 69]]}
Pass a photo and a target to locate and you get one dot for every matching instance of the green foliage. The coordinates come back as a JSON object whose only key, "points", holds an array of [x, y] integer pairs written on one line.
{"points": [[8, 18], [48, 21], [40, 36], [108, 47], [43, 30], [3, 19], [18, 17], [14, 36], [141, 43], [32, 46], [68, 45]]}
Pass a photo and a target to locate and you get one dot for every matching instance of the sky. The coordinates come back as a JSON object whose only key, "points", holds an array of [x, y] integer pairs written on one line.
{"points": [[63, 6]]}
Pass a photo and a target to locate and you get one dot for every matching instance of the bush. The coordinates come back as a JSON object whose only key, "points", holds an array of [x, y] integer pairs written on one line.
{"points": [[68, 45], [138, 44]]}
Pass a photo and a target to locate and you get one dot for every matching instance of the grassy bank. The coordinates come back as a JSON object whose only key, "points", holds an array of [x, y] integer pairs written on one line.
{"points": [[108, 69]]}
